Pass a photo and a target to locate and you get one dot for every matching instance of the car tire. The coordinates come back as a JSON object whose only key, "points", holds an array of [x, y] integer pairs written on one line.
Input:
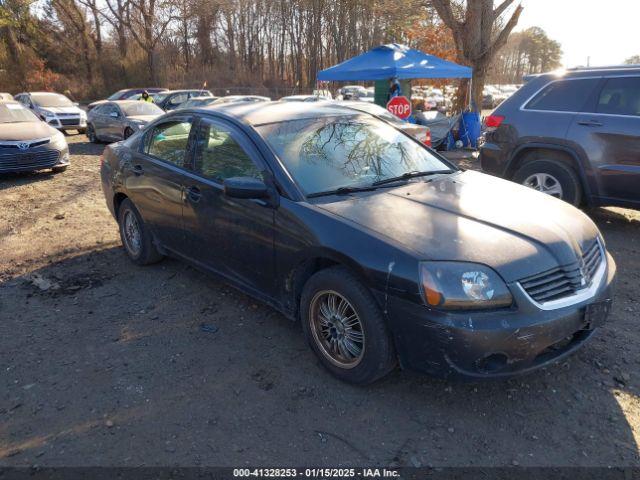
{"points": [[551, 175], [59, 169], [91, 134], [127, 133], [82, 131], [136, 237], [377, 354]]}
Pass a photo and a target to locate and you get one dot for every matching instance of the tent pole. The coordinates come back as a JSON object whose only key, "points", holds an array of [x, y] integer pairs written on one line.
{"points": [[470, 90]]}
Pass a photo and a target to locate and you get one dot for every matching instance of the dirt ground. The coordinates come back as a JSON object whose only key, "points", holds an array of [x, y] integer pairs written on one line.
{"points": [[105, 363]]}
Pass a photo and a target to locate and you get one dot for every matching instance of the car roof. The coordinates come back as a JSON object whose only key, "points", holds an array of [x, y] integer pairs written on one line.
{"points": [[126, 102], [203, 97], [187, 90], [258, 113], [579, 72], [4, 102]]}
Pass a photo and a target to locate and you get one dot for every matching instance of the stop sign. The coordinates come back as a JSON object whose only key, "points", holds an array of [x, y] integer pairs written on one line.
{"points": [[400, 107]]}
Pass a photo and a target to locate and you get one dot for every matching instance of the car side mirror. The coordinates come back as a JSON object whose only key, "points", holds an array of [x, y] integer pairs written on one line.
{"points": [[245, 187]]}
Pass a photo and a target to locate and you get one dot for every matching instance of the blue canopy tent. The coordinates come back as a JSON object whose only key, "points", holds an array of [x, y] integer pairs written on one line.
{"points": [[393, 60], [404, 63]]}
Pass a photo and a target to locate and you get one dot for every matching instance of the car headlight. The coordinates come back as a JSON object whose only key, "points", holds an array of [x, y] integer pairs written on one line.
{"points": [[58, 140], [462, 286], [47, 114]]}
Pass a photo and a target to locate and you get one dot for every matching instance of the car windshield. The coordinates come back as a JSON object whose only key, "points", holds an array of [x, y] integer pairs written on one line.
{"points": [[14, 112], [141, 108], [51, 100], [354, 151], [158, 97]]}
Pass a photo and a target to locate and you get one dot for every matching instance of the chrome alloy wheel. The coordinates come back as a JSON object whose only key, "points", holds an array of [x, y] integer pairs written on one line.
{"points": [[337, 329], [545, 183], [132, 235]]}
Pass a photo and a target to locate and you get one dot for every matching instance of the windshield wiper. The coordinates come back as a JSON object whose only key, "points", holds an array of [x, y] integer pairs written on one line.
{"points": [[408, 175], [342, 191]]}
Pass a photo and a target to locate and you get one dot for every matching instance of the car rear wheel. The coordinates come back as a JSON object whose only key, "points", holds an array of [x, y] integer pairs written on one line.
{"points": [[127, 133], [552, 177], [345, 327], [91, 134], [135, 236]]}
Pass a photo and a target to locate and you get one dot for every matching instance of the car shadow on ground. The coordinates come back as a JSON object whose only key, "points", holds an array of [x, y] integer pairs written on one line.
{"points": [[99, 355], [9, 180], [80, 145]]}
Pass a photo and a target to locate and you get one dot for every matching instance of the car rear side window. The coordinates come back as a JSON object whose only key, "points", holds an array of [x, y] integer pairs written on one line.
{"points": [[168, 141], [620, 96], [219, 156], [569, 95]]}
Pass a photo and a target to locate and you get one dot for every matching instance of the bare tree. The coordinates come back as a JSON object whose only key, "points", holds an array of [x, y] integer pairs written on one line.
{"points": [[479, 31]]}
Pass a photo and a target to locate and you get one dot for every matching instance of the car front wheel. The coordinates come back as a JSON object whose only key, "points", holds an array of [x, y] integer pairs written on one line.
{"points": [[552, 177], [135, 236], [345, 327], [127, 133], [91, 134]]}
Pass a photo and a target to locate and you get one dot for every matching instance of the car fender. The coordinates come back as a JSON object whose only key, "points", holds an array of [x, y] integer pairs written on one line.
{"points": [[585, 172]]}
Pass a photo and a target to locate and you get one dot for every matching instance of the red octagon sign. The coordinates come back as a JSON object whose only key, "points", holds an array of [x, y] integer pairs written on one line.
{"points": [[400, 107]]}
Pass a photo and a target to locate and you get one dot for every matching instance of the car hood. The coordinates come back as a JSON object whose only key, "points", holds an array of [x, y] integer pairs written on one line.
{"points": [[470, 216], [143, 118], [61, 109], [25, 131]]}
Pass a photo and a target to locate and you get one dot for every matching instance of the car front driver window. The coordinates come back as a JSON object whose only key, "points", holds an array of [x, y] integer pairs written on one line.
{"points": [[219, 156], [168, 141]]}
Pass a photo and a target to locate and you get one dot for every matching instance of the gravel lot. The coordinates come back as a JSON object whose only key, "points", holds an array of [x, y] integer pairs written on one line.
{"points": [[105, 363]]}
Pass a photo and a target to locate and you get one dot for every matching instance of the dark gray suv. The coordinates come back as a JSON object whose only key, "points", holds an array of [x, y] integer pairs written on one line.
{"points": [[574, 135]]}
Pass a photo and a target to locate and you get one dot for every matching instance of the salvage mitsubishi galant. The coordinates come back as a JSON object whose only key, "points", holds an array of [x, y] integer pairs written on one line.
{"points": [[383, 250]]}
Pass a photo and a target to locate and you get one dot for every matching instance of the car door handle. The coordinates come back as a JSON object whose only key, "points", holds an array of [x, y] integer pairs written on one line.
{"points": [[590, 123], [193, 194], [137, 170]]}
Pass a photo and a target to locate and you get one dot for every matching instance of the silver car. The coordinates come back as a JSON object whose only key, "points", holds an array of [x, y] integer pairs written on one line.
{"points": [[198, 102], [55, 109], [27, 143], [118, 120]]}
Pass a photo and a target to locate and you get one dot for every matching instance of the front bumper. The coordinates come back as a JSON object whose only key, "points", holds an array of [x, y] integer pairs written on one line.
{"points": [[68, 123], [494, 158], [492, 344], [37, 158]]}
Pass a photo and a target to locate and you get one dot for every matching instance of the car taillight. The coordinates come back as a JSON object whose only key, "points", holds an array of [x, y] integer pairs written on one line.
{"points": [[494, 121], [427, 138], [101, 160]]}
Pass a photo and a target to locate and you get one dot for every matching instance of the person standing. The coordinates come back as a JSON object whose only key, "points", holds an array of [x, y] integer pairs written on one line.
{"points": [[145, 97]]}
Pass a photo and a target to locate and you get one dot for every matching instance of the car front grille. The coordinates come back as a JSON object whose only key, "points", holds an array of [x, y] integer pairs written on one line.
{"points": [[30, 143], [70, 121], [566, 280], [28, 160]]}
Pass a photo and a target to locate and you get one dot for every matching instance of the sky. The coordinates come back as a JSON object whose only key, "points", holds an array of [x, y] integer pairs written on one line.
{"points": [[607, 31]]}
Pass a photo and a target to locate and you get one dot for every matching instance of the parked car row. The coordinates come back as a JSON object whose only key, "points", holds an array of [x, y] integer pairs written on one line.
{"points": [[339, 216], [494, 95]]}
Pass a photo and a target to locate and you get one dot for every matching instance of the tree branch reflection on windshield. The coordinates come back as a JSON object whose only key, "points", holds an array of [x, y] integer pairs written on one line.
{"points": [[351, 150]]}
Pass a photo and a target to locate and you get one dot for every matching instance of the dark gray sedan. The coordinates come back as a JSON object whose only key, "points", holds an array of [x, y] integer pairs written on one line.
{"points": [[382, 249], [118, 120]]}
